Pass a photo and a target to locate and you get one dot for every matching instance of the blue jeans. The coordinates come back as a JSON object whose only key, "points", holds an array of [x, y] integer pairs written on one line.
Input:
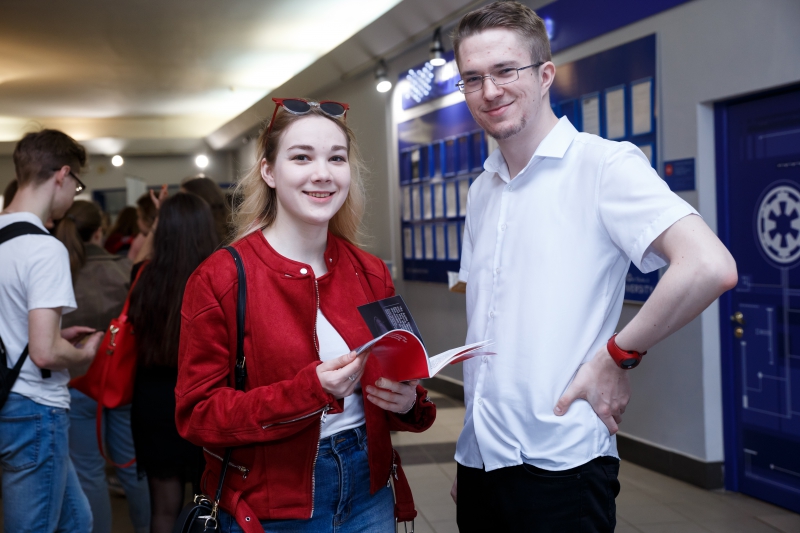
{"points": [[342, 502], [41, 493], [91, 467]]}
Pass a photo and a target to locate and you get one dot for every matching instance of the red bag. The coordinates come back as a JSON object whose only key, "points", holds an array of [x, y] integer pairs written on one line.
{"points": [[109, 380]]}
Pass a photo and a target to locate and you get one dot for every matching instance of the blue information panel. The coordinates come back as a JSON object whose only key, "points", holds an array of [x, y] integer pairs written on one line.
{"points": [[679, 174], [425, 82], [441, 153]]}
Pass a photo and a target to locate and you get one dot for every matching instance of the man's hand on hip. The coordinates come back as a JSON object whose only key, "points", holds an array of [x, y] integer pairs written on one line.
{"points": [[604, 385]]}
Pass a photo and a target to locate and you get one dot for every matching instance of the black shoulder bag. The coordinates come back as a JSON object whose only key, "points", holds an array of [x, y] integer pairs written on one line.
{"points": [[8, 376], [201, 515]]}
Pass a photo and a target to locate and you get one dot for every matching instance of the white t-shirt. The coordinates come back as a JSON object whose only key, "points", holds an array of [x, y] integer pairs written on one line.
{"points": [[331, 346], [34, 274], [545, 257]]}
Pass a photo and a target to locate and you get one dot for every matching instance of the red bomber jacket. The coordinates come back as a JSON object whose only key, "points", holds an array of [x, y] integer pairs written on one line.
{"points": [[274, 424]]}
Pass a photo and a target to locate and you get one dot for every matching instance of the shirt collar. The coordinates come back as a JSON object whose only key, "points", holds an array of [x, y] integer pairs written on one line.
{"points": [[555, 145]]}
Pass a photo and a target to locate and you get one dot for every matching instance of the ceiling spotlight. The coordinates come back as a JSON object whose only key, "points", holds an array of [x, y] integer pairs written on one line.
{"points": [[201, 161], [382, 78], [117, 161], [437, 50]]}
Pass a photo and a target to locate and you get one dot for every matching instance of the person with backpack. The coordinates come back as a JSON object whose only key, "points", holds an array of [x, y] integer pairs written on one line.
{"points": [[100, 282], [310, 427], [41, 491]]}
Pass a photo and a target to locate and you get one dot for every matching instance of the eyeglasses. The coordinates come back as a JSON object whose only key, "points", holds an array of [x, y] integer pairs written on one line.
{"points": [[80, 186], [300, 106], [499, 76]]}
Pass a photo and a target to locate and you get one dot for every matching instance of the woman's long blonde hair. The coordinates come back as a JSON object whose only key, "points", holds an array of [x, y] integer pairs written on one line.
{"points": [[256, 204]]}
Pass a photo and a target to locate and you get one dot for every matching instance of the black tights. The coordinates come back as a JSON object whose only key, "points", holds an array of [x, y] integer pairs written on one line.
{"points": [[166, 501]]}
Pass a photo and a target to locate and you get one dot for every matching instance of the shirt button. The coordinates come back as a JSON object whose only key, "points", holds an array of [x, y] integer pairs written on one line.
{"points": [[485, 359], [503, 227], [497, 270], [480, 401], [510, 188], [491, 314], [304, 271]]}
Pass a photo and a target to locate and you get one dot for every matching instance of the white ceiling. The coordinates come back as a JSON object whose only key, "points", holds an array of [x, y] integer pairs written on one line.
{"points": [[171, 69]]}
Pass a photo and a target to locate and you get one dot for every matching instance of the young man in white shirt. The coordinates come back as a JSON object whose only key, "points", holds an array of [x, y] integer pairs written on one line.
{"points": [[41, 491], [551, 226]]}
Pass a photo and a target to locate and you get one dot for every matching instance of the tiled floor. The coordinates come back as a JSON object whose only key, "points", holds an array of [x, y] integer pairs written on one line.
{"points": [[648, 503]]}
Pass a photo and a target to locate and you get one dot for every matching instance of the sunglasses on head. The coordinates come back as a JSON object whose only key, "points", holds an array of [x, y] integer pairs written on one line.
{"points": [[300, 106]]}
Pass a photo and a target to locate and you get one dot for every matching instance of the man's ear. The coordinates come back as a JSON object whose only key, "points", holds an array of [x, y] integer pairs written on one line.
{"points": [[266, 174], [547, 75], [61, 174]]}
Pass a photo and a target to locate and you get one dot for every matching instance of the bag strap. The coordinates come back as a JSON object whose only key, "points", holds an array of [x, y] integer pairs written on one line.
{"points": [[240, 370], [12, 231], [99, 416], [18, 229]]}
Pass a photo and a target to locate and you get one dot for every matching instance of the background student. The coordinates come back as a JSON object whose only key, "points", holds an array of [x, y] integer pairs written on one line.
{"points": [[41, 491], [184, 236]]}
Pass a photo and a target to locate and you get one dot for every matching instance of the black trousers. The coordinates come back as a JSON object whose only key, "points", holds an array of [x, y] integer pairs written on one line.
{"points": [[527, 499]]}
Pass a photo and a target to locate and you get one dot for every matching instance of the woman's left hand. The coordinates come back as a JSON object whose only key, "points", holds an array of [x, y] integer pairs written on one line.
{"points": [[393, 396]]}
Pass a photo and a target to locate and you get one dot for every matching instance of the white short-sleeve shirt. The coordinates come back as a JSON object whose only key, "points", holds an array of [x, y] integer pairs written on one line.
{"points": [[545, 257], [34, 274]]}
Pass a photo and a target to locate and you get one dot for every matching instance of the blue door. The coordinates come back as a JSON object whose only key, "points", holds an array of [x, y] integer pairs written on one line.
{"points": [[758, 168]]}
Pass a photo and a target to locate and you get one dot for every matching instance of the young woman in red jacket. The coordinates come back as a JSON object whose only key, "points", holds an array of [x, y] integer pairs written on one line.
{"points": [[312, 449]]}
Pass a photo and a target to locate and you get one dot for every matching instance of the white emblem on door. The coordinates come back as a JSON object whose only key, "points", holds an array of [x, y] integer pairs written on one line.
{"points": [[778, 224]]}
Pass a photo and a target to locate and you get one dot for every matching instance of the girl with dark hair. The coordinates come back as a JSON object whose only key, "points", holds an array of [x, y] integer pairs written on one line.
{"points": [[100, 282], [208, 190], [184, 237], [310, 433]]}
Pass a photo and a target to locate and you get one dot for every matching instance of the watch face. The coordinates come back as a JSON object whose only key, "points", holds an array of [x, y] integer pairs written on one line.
{"points": [[627, 364]]}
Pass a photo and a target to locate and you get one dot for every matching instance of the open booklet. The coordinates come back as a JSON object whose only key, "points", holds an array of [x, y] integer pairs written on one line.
{"points": [[400, 350]]}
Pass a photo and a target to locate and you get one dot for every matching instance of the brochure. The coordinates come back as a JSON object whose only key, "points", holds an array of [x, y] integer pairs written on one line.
{"points": [[400, 350]]}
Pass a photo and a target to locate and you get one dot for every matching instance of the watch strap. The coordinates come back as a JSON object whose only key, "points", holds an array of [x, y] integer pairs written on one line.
{"points": [[625, 359]]}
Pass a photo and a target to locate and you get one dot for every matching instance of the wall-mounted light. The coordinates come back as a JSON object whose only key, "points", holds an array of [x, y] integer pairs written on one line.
{"points": [[117, 161], [381, 76], [201, 161], [437, 50]]}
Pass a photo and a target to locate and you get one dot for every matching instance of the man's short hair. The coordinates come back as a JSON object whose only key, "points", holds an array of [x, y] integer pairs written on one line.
{"points": [[39, 154], [509, 15]]}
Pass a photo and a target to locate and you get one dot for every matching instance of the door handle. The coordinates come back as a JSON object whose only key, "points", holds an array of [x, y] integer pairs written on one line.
{"points": [[738, 318]]}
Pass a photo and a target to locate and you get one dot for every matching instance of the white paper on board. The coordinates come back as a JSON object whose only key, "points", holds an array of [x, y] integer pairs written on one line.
{"points": [[452, 205], [441, 250], [418, 242], [428, 242], [406, 203], [438, 200], [415, 203], [590, 108], [615, 114], [427, 212], [452, 242], [408, 247], [642, 107], [463, 192]]}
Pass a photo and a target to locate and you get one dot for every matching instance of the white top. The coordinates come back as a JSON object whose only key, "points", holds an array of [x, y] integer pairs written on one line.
{"points": [[34, 274], [331, 346], [545, 256]]}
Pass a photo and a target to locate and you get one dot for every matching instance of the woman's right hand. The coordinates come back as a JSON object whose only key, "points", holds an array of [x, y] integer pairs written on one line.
{"points": [[340, 376]]}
